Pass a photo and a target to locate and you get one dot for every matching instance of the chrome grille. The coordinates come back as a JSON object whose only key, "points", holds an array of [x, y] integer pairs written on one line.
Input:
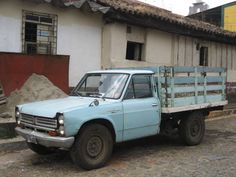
{"points": [[38, 123]]}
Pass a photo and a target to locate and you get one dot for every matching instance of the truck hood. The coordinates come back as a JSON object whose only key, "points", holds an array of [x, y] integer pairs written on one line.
{"points": [[49, 108]]}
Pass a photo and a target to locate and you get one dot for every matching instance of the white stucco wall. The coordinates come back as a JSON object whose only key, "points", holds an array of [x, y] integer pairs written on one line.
{"points": [[10, 26], [79, 34], [158, 47]]}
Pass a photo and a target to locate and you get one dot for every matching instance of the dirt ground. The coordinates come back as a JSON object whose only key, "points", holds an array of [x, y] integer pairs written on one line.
{"points": [[154, 156]]}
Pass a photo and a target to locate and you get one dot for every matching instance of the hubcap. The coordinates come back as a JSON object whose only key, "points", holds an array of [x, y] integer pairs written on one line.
{"points": [[195, 128], [94, 146]]}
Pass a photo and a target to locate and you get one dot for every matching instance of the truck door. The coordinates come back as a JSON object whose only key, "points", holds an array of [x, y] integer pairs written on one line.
{"points": [[141, 108]]}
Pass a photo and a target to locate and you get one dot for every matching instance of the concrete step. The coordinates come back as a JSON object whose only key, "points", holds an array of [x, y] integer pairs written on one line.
{"points": [[230, 106], [7, 129], [225, 112], [12, 144]]}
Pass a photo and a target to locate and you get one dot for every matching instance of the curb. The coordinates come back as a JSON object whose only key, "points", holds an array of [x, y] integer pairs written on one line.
{"points": [[7, 130], [13, 144], [217, 114], [220, 118]]}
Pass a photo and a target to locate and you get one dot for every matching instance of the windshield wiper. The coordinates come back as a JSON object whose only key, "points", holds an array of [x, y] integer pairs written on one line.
{"points": [[98, 95], [75, 94]]}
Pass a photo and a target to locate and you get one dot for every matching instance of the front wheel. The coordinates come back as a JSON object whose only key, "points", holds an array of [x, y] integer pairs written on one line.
{"points": [[93, 147], [192, 128]]}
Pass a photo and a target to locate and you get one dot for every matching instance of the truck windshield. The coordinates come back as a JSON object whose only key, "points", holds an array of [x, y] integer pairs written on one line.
{"points": [[104, 85]]}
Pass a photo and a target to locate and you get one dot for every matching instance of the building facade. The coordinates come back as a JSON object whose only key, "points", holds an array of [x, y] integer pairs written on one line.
{"points": [[28, 26], [176, 41], [229, 16], [223, 16], [107, 34]]}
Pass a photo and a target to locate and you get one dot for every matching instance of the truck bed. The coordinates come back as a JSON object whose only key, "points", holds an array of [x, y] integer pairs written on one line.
{"points": [[183, 88]]}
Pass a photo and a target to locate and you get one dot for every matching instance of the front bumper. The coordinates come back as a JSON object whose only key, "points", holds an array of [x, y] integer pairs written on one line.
{"points": [[43, 139]]}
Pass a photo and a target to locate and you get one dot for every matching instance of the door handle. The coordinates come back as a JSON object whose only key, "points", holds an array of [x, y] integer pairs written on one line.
{"points": [[154, 105]]}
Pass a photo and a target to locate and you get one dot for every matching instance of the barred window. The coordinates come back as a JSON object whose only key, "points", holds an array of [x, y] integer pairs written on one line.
{"points": [[39, 33]]}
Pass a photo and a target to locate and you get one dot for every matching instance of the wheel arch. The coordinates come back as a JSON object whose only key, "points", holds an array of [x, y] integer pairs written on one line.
{"points": [[173, 120], [101, 121]]}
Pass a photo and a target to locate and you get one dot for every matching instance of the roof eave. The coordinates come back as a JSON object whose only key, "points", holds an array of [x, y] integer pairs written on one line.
{"points": [[171, 26], [94, 6]]}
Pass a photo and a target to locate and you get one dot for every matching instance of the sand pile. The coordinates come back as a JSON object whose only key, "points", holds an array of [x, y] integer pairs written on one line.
{"points": [[36, 88]]}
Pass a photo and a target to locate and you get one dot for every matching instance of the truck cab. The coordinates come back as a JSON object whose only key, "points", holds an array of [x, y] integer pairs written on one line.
{"points": [[134, 100], [108, 107]]}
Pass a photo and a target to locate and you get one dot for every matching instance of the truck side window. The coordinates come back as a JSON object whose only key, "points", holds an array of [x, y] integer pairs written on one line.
{"points": [[130, 91], [139, 87]]}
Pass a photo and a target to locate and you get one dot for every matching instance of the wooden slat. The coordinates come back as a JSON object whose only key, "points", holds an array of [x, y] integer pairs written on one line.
{"points": [[178, 69], [196, 85], [188, 89], [191, 100], [184, 69], [191, 79], [191, 69]]}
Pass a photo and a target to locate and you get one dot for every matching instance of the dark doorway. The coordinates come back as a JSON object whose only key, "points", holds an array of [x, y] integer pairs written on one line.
{"points": [[203, 56], [134, 51]]}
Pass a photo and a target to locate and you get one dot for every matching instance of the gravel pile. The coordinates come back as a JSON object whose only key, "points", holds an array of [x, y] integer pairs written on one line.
{"points": [[36, 88]]}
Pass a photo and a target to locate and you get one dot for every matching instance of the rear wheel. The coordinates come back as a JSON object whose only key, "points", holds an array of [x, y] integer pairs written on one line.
{"points": [[192, 128], [93, 147], [39, 149]]}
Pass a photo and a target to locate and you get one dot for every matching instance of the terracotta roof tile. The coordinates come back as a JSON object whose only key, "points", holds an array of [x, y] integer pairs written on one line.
{"points": [[139, 8]]}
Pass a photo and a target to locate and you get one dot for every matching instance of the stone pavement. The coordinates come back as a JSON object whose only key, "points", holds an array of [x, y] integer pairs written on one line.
{"points": [[149, 157]]}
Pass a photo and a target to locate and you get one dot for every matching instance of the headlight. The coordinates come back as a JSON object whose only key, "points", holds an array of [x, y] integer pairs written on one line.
{"points": [[17, 112], [61, 130], [17, 115], [61, 119]]}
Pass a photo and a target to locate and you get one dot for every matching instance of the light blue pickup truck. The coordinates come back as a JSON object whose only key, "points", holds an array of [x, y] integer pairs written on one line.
{"points": [[118, 105]]}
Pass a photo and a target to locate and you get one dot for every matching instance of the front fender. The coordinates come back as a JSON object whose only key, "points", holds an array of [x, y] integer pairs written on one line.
{"points": [[74, 120]]}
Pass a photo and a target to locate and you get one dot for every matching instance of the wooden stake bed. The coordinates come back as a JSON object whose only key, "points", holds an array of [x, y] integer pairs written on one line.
{"points": [[182, 88]]}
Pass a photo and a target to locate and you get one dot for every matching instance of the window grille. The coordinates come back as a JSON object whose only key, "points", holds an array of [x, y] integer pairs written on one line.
{"points": [[39, 33]]}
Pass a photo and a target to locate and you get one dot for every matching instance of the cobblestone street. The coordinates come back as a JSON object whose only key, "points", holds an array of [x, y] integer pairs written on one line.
{"points": [[155, 156]]}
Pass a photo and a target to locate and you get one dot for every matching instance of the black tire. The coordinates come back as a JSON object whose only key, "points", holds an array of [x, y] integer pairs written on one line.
{"points": [[39, 149], [192, 129], [93, 147]]}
